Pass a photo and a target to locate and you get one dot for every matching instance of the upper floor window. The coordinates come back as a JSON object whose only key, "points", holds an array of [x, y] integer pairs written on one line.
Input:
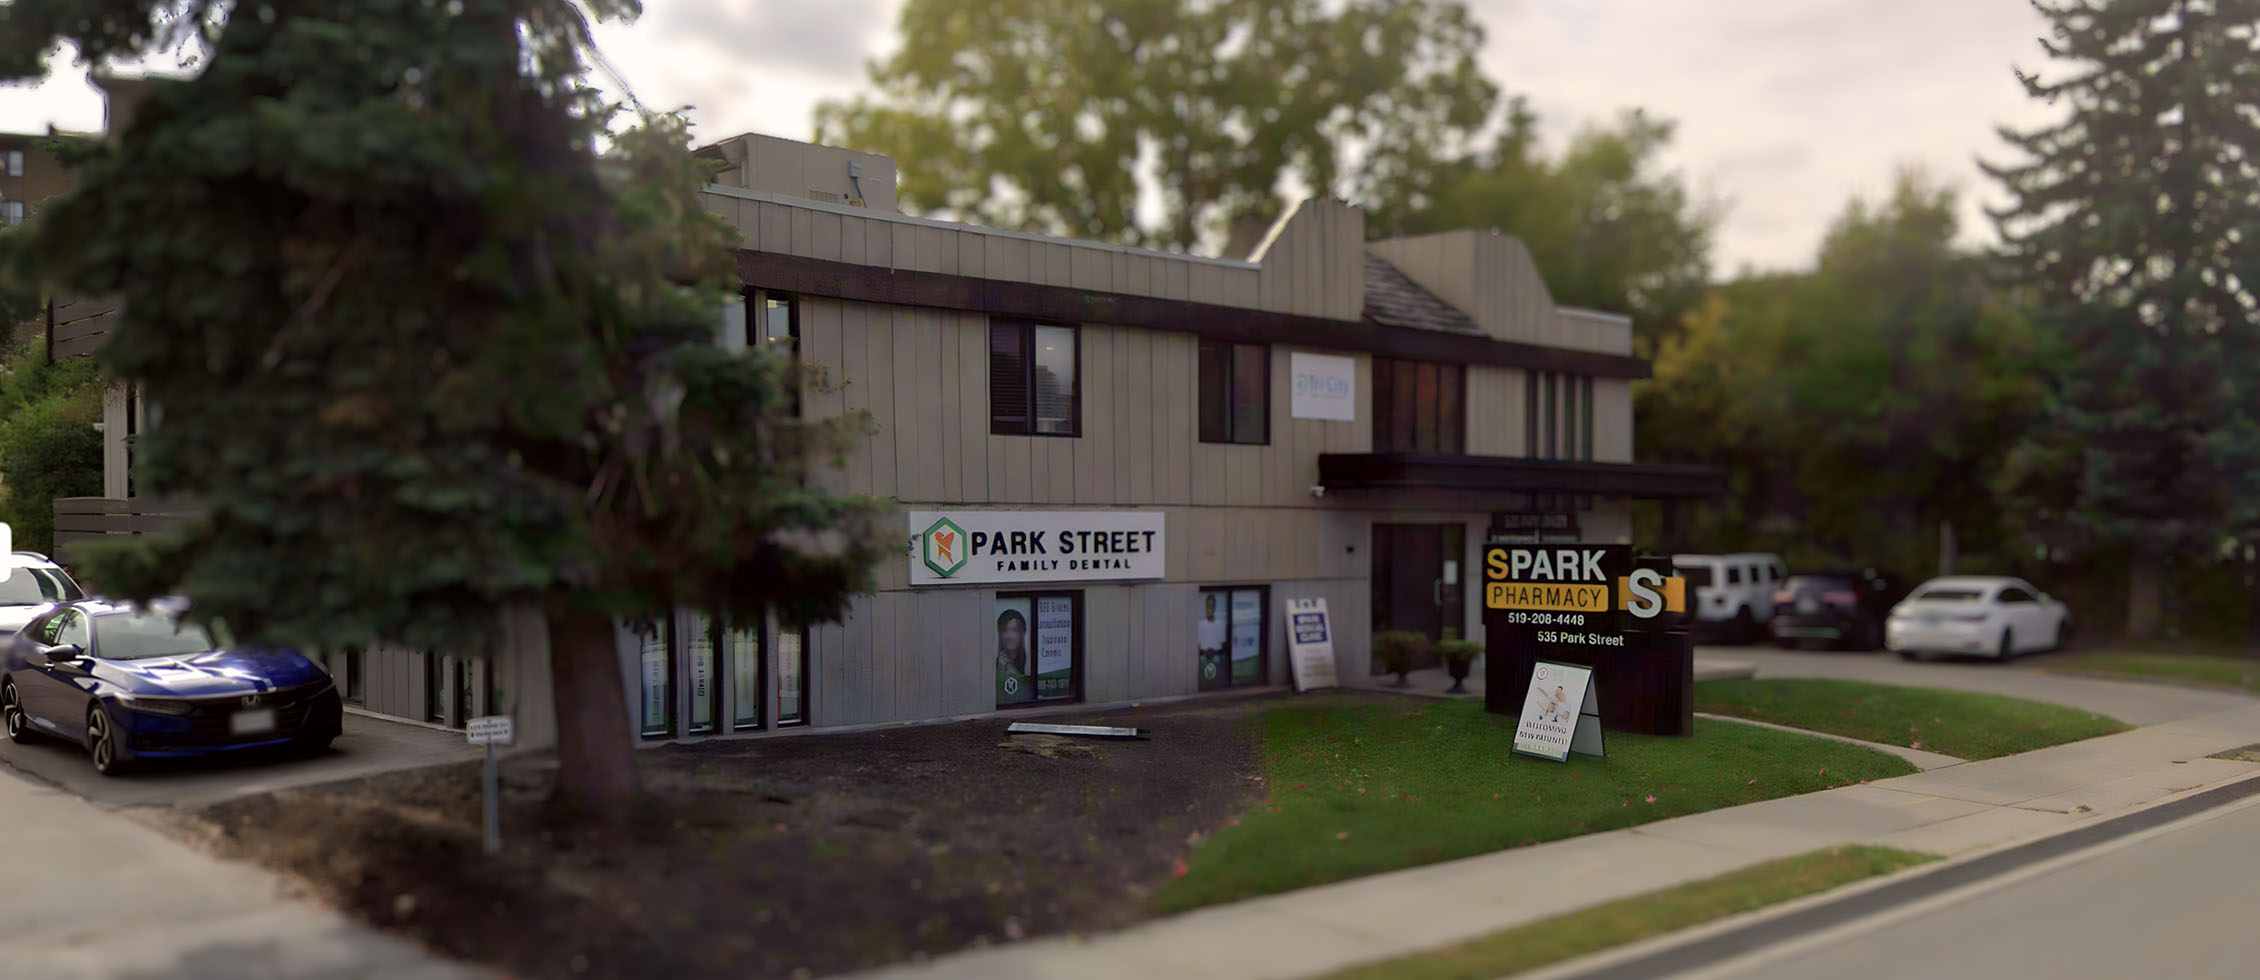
{"points": [[1419, 407], [11, 212], [15, 163], [1235, 393], [1557, 416], [1034, 389]]}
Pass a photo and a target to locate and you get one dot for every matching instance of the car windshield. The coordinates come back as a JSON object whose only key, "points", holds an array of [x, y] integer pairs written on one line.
{"points": [[36, 586], [141, 635], [1949, 595], [1697, 576]]}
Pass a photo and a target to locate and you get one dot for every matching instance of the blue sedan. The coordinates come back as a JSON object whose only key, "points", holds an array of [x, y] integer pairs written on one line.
{"points": [[131, 683]]}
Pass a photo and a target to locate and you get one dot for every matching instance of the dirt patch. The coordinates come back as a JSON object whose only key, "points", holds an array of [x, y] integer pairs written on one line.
{"points": [[2249, 753], [773, 857]]}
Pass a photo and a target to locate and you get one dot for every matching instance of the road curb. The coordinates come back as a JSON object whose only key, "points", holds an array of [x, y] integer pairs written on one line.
{"points": [[1708, 945]]}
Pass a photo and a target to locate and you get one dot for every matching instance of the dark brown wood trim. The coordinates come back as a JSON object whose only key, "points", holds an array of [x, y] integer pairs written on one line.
{"points": [[1064, 304], [1402, 471]]}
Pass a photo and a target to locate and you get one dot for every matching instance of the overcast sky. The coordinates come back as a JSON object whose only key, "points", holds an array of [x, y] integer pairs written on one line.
{"points": [[1785, 109]]}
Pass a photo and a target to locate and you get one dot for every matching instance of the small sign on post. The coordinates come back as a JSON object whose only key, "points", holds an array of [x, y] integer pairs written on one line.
{"points": [[489, 731], [1560, 714], [1310, 645]]}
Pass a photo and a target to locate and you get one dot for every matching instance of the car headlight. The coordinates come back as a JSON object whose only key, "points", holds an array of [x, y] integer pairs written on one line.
{"points": [[156, 706]]}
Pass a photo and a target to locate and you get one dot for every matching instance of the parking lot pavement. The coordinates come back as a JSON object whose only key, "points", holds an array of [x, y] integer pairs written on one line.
{"points": [[2133, 702], [369, 745]]}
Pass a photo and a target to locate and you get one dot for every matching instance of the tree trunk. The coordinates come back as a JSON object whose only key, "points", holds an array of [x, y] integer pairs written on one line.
{"points": [[2146, 581], [596, 753]]}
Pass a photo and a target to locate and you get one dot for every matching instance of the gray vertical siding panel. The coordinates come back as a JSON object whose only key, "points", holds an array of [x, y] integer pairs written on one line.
{"points": [[1134, 640], [1128, 465], [903, 246], [1059, 264], [945, 425], [1173, 434], [1106, 655], [967, 643], [824, 239], [855, 385], [802, 228], [909, 428], [859, 673], [1094, 451], [972, 334], [828, 645], [931, 404], [880, 376], [853, 234], [918, 651], [972, 254]]}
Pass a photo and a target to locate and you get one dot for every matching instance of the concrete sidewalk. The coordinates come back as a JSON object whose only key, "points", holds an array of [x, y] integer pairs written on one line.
{"points": [[1947, 811], [96, 894]]}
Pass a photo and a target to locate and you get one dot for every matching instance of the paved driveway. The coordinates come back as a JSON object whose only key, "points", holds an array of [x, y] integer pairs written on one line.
{"points": [[369, 745], [2025, 677]]}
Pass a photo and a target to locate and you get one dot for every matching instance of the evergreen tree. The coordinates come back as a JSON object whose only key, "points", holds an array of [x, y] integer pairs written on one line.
{"points": [[422, 354], [2134, 222]]}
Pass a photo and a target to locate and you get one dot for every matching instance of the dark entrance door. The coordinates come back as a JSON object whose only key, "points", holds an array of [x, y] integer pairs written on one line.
{"points": [[1418, 584]]}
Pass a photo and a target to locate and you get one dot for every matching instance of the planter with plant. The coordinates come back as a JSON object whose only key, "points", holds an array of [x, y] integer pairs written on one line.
{"points": [[1398, 651], [1459, 658]]}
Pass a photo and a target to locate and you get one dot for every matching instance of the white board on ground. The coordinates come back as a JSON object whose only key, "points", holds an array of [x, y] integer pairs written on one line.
{"points": [[1310, 644], [1560, 714], [490, 730]]}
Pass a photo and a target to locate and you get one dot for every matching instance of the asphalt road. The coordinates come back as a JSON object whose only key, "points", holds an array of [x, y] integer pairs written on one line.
{"points": [[2134, 702], [2175, 905], [368, 746]]}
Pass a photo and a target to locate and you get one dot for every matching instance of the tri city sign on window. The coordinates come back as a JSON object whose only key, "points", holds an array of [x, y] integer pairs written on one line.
{"points": [[1325, 387], [973, 547]]}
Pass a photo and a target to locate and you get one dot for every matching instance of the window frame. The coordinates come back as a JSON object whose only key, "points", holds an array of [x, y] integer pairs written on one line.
{"points": [[756, 328], [646, 731], [1263, 633], [1027, 425], [801, 635], [1398, 413], [15, 162], [1232, 352], [1076, 667]]}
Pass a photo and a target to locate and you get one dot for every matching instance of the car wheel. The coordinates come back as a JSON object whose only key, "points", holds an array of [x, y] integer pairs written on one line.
{"points": [[1909, 656], [2008, 646], [12, 714], [2063, 635], [1785, 643], [102, 743], [1745, 628]]}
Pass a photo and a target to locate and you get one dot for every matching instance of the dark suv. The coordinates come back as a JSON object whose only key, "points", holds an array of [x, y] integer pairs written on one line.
{"points": [[1844, 610]]}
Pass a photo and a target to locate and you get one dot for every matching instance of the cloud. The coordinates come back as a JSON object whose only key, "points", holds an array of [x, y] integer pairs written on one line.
{"points": [[1786, 110]]}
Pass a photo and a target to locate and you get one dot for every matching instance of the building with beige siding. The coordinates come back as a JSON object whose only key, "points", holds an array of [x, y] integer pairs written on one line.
{"points": [[1113, 467]]}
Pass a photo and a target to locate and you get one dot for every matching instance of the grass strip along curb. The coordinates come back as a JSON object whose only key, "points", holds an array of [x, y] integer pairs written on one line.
{"points": [[1961, 724], [1360, 787], [1630, 920], [2227, 673]]}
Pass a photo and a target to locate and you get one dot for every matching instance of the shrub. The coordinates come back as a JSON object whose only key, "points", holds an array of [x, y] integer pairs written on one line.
{"points": [[1399, 650], [48, 449]]}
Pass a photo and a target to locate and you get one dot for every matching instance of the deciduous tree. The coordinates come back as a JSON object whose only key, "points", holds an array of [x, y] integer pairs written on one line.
{"points": [[1045, 113]]}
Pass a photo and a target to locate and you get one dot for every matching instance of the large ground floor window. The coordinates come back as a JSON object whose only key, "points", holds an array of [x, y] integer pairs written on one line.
{"points": [[1229, 636], [722, 674], [1039, 647]]}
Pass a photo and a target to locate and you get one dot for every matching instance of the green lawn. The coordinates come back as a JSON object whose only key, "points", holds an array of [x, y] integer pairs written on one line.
{"points": [[2235, 673], [1642, 916], [1358, 787], [1955, 723]]}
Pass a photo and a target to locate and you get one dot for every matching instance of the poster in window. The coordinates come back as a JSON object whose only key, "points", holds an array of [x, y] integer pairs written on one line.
{"points": [[1247, 635], [702, 675], [743, 648], [790, 658], [654, 677], [1055, 647], [1212, 639], [1015, 661]]}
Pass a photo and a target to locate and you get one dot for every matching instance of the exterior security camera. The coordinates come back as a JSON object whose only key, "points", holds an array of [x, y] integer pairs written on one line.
{"points": [[1318, 490]]}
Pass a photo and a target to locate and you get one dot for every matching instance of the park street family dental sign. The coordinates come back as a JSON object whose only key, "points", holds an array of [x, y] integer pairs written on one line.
{"points": [[992, 546]]}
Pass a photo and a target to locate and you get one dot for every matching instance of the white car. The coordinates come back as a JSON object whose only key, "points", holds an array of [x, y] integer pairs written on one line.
{"points": [[1733, 594], [1985, 615], [33, 583]]}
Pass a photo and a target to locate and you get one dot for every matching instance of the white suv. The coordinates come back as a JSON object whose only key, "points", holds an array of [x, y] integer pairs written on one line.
{"points": [[34, 582], [1733, 594]]}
